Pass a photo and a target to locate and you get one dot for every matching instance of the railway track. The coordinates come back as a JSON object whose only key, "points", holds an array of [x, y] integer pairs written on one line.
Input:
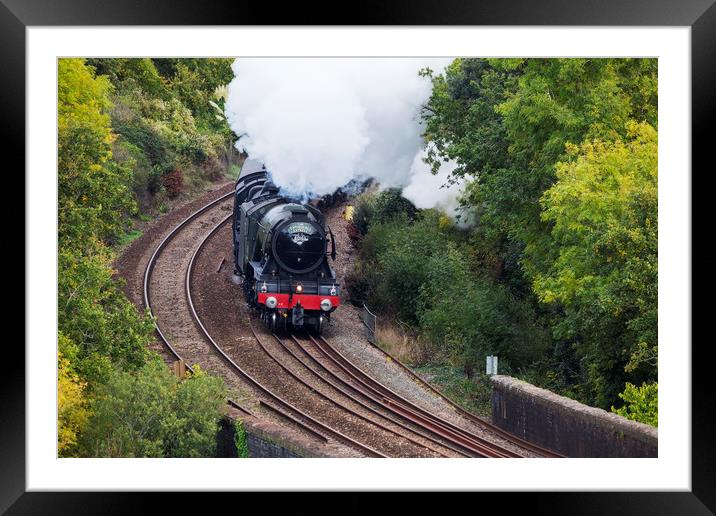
{"points": [[189, 334], [441, 430], [539, 450], [347, 405], [387, 440]]}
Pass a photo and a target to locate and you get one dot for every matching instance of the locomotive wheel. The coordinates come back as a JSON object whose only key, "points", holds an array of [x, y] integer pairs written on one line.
{"points": [[318, 325], [272, 321]]}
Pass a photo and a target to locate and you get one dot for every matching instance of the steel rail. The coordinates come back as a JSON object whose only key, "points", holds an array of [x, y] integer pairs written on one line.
{"points": [[546, 452], [343, 391], [258, 385], [400, 401], [377, 400], [400, 406], [412, 413], [404, 405], [147, 277], [153, 260], [307, 428], [147, 301]]}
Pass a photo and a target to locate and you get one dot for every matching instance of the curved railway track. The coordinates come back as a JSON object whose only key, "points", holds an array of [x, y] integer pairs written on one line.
{"points": [[545, 452], [268, 399], [351, 401]]}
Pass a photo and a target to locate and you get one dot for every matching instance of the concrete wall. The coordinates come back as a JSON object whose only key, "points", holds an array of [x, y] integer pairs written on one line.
{"points": [[567, 426]]}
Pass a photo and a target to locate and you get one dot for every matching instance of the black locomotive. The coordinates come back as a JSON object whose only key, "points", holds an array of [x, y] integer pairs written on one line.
{"points": [[280, 252]]}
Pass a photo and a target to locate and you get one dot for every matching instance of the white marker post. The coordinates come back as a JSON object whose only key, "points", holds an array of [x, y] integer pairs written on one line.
{"points": [[491, 366]]}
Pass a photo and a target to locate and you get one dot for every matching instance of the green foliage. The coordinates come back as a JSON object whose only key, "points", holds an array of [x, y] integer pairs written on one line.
{"points": [[376, 208], [242, 445], [421, 273], [132, 73], [164, 130], [471, 316], [575, 239], [471, 393], [128, 238], [96, 316], [194, 82], [168, 118], [640, 403], [603, 211], [150, 413], [395, 253], [234, 171], [93, 200], [114, 397]]}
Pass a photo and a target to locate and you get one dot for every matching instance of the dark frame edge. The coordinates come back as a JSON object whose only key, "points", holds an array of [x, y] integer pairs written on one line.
{"points": [[702, 498], [12, 106], [703, 99]]}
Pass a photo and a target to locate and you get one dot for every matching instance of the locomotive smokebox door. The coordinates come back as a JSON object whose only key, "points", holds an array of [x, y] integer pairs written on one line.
{"points": [[297, 318]]}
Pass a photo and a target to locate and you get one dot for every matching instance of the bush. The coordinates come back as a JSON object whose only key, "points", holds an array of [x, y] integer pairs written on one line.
{"points": [[640, 403], [150, 413], [422, 273], [72, 409], [212, 168], [173, 182], [471, 316], [471, 393], [242, 445], [382, 207], [97, 318]]}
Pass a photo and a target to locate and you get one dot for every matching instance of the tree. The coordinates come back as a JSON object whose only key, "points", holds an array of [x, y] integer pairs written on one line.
{"points": [[381, 207], [150, 413], [72, 409], [506, 122], [640, 403], [470, 316], [509, 124], [93, 195], [93, 199], [603, 213], [132, 73], [94, 313], [115, 398]]}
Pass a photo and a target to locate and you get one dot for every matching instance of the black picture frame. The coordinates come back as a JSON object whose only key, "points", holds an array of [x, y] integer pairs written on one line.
{"points": [[700, 15]]}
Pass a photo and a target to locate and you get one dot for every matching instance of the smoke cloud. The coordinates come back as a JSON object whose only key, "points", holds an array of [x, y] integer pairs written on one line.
{"points": [[428, 190], [318, 123]]}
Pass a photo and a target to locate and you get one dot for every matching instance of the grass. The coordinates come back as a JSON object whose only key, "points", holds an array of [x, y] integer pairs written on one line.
{"points": [[129, 237], [233, 171], [403, 343], [472, 394]]}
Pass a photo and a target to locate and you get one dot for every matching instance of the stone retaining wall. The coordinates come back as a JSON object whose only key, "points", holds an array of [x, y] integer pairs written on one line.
{"points": [[567, 426], [261, 448], [264, 439]]}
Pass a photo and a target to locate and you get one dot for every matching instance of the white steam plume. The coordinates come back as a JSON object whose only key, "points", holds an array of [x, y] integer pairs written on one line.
{"points": [[318, 123], [427, 190]]}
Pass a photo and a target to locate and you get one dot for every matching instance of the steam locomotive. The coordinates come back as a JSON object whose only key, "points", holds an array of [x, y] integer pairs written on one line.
{"points": [[280, 252]]}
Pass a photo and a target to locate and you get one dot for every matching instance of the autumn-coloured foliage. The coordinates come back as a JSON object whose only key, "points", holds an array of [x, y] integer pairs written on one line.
{"points": [[118, 132], [173, 182], [72, 409]]}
